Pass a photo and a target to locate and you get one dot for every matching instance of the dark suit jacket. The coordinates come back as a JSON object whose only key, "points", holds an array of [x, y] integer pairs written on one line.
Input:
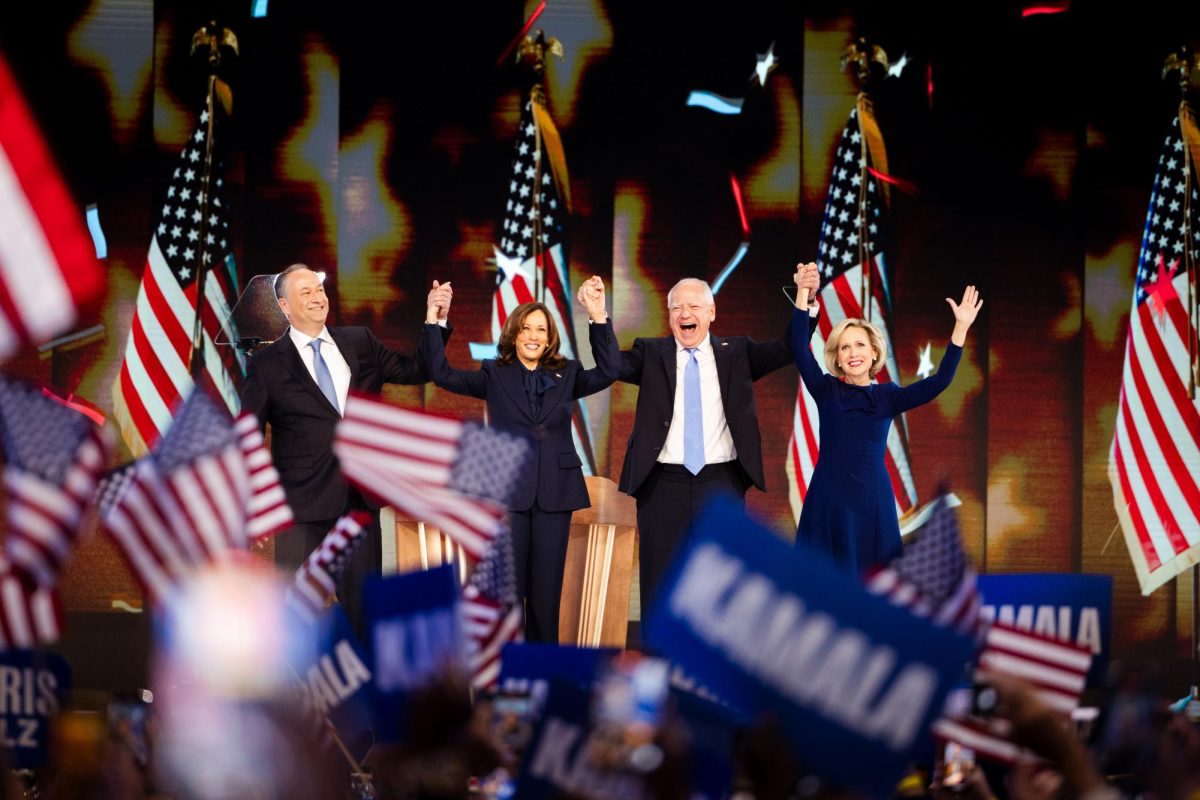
{"points": [[555, 476], [279, 390], [650, 364]]}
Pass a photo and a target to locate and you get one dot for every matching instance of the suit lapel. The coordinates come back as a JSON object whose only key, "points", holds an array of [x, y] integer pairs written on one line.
{"points": [[667, 351], [553, 397], [295, 365], [513, 384], [722, 356], [346, 348]]}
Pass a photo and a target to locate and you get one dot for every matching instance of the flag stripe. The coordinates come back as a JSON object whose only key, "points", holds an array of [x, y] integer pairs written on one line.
{"points": [[1165, 534], [1132, 508]]}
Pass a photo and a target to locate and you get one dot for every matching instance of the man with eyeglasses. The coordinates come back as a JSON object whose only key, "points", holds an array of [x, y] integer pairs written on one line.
{"points": [[695, 431]]}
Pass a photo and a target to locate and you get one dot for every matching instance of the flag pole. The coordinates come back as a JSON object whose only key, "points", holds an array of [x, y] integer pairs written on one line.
{"points": [[1181, 61], [862, 54], [533, 52], [213, 37]]}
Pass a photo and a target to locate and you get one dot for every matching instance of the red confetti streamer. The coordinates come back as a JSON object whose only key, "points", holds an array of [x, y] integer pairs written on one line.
{"points": [[908, 187], [929, 83], [80, 405], [741, 205], [537, 12], [1046, 8]]}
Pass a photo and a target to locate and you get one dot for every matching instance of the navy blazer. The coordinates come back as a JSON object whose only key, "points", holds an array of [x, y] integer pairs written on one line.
{"points": [[279, 390], [651, 364], [555, 477]]}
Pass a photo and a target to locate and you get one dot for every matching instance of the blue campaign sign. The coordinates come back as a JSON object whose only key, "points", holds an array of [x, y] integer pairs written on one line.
{"points": [[711, 727], [338, 681], [767, 626], [525, 665], [33, 687], [414, 635], [1073, 608], [557, 761]]}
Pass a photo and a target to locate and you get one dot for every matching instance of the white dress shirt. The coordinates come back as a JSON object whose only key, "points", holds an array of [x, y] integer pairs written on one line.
{"points": [[333, 358], [718, 442]]}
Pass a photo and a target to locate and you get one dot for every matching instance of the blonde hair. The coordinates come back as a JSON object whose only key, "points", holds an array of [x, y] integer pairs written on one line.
{"points": [[874, 338]]}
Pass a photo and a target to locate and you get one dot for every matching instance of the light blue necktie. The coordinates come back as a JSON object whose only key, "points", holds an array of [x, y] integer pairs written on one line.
{"points": [[324, 376], [693, 416]]}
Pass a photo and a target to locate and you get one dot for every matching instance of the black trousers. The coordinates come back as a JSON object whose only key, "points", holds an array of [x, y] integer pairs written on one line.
{"points": [[293, 545], [667, 502], [539, 540]]}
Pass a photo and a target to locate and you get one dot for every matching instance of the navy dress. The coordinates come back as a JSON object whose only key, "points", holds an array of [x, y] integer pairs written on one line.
{"points": [[850, 509]]}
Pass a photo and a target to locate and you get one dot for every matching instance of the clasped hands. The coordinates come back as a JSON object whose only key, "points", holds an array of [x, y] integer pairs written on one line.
{"points": [[591, 297], [437, 304]]}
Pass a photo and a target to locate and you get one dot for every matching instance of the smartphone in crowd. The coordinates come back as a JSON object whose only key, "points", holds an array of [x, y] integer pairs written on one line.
{"points": [[957, 762]]}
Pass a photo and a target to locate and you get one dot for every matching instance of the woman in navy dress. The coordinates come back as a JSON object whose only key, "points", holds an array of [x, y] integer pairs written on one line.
{"points": [[531, 389], [850, 508]]}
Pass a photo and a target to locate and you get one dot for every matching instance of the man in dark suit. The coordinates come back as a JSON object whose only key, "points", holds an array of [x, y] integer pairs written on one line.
{"points": [[678, 461], [299, 386]]}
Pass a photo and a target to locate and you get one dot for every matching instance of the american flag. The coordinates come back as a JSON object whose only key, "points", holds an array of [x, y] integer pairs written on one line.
{"points": [[48, 265], [933, 579], [193, 499], [29, 617], [54, 457], [1154, 462], [532, 251], [932, 576], [155, 373], [315, 583], [851, 254], [1056, 671], [491, 612], [445, 472]]}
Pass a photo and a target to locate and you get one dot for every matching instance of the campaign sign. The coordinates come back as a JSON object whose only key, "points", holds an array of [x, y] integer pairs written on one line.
{"points": [[711, 727], [526, 666], [414, 635], [338, 681], [768, 626], [33, 687], [557, 761], [1071, 608]]}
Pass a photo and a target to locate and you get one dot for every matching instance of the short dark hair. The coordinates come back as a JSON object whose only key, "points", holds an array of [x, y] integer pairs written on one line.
{"points": [[281, 278]]}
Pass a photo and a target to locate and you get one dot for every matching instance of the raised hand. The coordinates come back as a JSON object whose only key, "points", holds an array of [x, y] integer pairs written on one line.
{"points": [[437, 303], [965, 313], [591, 297], [807, 279]]}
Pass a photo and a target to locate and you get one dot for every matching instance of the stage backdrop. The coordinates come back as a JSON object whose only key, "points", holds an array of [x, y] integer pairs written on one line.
{"points": [[381, 153]]}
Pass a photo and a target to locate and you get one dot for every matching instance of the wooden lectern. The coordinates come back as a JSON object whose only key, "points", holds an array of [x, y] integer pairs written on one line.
{"points": [[599, 572]]}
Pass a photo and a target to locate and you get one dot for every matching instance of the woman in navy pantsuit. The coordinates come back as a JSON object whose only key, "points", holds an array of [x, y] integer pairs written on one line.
{"points": [[531, 389]]}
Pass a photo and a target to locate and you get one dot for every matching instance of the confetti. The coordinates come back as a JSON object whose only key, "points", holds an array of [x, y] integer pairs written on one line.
{"points": [[93, 223], [743, 248], [716, 103], [764, 64]]}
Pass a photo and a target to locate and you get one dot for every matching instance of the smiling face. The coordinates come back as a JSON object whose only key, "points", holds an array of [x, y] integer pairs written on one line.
{"points": [[304, 302], [532, 338], [690, 310], [855, 355]]}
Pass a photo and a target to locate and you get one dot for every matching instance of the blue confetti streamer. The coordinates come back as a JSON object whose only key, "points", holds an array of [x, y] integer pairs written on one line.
{"points": [[93, 223], [716, 103], [743, 248]]}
